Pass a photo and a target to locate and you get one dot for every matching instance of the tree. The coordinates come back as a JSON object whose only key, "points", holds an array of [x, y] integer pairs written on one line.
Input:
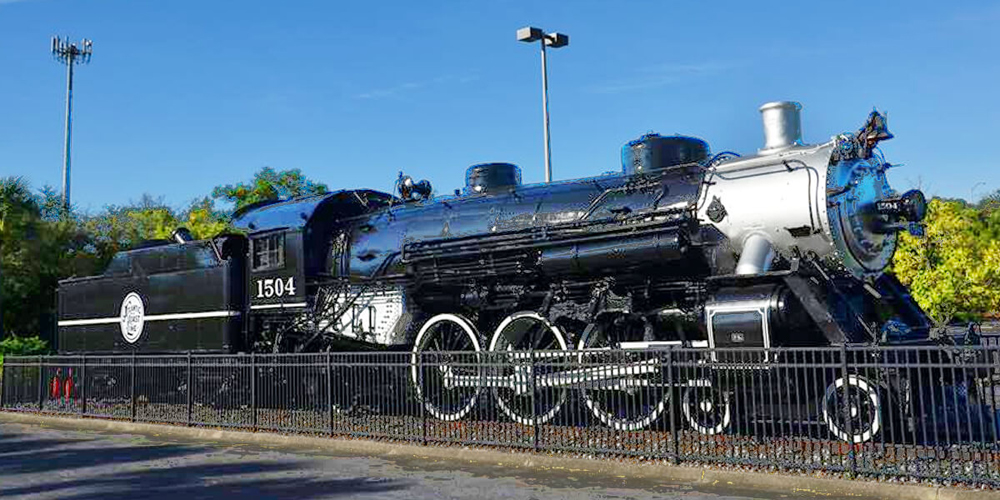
{"points": [[953, 272], [268, 184], [120, 228], [33, 256]]}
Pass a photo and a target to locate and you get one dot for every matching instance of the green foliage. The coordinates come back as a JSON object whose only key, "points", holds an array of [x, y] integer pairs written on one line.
{"points": [[268, 184], [953, 272], [120, 228], [34, 254], [990, 204], [23, 346]]}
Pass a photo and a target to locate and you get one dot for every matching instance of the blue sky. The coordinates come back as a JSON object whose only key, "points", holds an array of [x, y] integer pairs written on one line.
{"points": [[183, 95]]}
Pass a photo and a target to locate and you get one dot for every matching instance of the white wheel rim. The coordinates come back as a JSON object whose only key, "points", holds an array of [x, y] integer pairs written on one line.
{"points": [[560, 338], [470, 331], [608, 419], [687, 405], [872, 427]]}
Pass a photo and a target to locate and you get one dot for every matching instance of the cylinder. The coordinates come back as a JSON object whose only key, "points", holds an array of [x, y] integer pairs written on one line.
{"points": [[782, 125]]}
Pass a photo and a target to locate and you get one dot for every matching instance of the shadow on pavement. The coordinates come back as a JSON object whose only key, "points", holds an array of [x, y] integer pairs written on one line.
{"points": [[208, 481], [161, 476]]}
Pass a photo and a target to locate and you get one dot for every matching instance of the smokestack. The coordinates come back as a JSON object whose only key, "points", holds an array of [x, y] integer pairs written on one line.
{"points": [[782, 125]]}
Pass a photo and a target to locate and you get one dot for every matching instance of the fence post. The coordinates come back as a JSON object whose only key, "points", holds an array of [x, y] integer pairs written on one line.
{"points": [[673, 424], [41, 384], [3, 385], [845, 410], [253, 391], [83, 384], [534, 405], [329, 390], [420, 400], [132, 385], [190, 390]]}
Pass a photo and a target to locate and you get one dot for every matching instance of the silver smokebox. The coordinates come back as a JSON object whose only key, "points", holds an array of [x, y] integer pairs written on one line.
{"points": [[782, 125]]}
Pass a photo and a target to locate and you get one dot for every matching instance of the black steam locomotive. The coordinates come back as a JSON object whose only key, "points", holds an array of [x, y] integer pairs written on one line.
{"points": [[785, 247]]}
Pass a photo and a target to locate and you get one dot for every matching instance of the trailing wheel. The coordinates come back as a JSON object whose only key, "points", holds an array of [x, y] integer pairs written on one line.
{"points": [[445, 356], [519, 332], [707, 410], [637, 394], [852, 409]]}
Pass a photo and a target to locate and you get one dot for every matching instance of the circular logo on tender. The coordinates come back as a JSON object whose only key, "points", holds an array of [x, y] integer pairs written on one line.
{"points": [[132, 317]]}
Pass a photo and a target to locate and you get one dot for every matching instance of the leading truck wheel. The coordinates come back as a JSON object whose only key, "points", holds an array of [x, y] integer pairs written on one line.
{"points": [[446, 357], [852, 409], [527, 332], [706, 410]]}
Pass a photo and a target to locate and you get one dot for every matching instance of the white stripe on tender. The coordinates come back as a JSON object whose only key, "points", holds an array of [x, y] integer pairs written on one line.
{"points": [[287, 305], [198, 315], [95, 321], [152, 317]]}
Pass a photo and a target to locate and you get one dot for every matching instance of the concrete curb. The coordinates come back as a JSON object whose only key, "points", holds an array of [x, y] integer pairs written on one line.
{"points": [[778, 483]]}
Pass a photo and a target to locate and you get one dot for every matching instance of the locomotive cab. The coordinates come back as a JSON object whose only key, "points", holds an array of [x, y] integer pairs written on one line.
{"points": [[296, 247]]}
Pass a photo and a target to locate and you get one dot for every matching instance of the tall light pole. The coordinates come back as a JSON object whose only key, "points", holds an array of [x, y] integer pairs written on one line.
{"points": [[69, 54], [554, 40]]}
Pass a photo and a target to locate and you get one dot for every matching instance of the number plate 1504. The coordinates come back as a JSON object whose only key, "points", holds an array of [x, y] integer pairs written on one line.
{"points": [[275, 287]]}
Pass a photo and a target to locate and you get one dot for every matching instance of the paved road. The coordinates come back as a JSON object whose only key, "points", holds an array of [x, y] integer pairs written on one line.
{"points": [[39, 462]]}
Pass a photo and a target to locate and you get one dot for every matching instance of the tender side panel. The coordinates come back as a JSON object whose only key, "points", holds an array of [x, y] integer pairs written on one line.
{"points": [[189, 310]]}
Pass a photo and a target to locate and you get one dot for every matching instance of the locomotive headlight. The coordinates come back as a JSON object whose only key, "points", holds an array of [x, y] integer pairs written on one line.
{"points": [[911, 207]]}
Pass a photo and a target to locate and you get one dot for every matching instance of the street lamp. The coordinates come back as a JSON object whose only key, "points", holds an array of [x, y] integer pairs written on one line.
{"points": [[69, 54], [972, 192], [554, 40]]}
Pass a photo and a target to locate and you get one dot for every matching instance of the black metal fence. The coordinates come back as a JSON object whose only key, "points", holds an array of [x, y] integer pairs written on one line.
{"points": [[919, 412]]}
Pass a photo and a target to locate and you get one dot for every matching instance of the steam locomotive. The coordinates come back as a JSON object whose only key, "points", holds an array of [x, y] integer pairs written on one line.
{"points": [[785, 247]]}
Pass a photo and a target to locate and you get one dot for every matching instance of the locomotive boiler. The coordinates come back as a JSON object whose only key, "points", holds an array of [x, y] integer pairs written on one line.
{"points": [[785, 247]]}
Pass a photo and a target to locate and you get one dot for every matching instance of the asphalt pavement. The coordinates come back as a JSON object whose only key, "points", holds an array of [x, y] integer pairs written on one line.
{"points": [[44, 462]]}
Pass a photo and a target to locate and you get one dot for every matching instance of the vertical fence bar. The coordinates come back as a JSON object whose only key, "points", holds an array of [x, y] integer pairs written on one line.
{"points": [[83, 384], [417, 391], [846, 411], [3, 385], [253, 391], [41, 384], [190, 391], [132, 386], [534, 403], [673, 396], [329, 391]]}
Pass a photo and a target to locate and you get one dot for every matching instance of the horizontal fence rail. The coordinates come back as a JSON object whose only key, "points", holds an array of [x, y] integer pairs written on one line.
{"points": [[909, 412]]}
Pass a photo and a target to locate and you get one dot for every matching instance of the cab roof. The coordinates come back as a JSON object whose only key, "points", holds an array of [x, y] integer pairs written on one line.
{"points": [[300, 212]]}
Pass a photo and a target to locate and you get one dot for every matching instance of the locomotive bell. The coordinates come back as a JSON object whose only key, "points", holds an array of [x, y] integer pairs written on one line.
{"points": [[653, 152]]}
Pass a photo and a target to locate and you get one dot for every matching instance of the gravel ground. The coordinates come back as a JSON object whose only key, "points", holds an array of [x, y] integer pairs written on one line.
{"points": [[39, 462]]}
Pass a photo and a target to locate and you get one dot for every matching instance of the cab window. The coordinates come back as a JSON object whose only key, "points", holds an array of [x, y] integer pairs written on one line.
{"points": [[268, 252]]}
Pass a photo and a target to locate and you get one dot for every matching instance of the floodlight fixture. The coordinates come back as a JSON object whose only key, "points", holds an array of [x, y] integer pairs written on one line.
{"points": [[70, 54], [554, 40]]}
